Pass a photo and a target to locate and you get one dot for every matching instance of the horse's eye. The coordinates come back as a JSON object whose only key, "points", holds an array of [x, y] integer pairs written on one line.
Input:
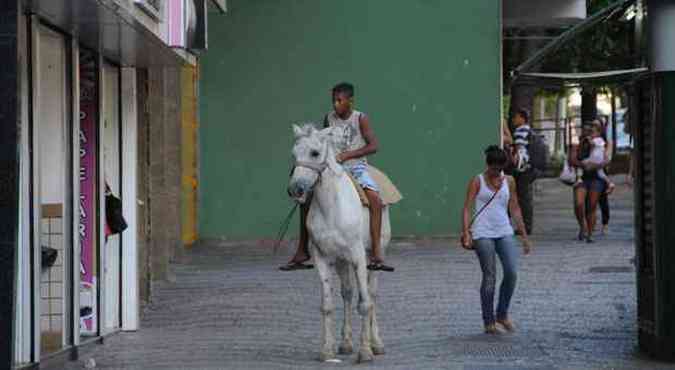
{"points": [[314, 154]]}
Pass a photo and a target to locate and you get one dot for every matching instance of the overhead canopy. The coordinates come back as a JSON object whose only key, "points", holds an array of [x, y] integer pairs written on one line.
{"points": [[616, 76], [605, 48], [220, 5]]}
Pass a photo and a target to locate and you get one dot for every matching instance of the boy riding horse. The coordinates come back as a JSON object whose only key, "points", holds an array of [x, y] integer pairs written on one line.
{"points": [[355, 140]]}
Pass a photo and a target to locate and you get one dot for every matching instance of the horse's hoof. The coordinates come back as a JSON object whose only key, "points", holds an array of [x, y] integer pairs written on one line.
{"points": [[378, 350], [346, 349], [326, 356], [364, 308], [365, 356]]}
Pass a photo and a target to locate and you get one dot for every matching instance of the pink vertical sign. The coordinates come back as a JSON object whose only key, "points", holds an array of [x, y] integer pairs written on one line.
{"points": [[176, 23], [88, 191]]}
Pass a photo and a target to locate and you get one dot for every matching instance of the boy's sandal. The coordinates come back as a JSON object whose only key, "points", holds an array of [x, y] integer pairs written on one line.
{"points": [[292, 266], [379, 266]]}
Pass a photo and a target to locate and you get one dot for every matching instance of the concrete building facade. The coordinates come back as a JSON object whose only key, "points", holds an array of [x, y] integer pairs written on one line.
{"points": [[93, 112]]}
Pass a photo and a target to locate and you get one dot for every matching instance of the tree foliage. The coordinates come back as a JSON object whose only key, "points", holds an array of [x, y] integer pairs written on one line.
{"points": [[594, 6], [608, 45]]}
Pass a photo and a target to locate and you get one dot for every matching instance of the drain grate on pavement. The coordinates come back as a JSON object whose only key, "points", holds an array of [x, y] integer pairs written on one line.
{"points": [[505, 367], [610, 269], [495, 350]]}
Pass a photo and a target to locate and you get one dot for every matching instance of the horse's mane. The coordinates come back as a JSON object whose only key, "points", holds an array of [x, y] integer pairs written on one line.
{"points": [[308, 129]]}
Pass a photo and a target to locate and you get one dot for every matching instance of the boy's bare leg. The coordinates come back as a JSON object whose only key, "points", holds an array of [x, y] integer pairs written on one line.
{"points": [[375, 208], [375, 205], [302, 252]]}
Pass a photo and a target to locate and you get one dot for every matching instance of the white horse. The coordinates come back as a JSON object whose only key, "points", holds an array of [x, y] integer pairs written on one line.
{"points": [[338, 226]]}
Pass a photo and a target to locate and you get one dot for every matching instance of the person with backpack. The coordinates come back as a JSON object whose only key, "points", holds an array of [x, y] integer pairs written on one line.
{"points": [[528, 160]]}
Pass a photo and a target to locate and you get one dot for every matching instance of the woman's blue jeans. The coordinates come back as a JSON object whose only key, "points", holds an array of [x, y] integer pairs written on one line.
{"points": [[507, 250]]}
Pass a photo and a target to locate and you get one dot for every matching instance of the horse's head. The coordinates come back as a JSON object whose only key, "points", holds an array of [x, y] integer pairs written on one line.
{"points": [[312, 152]]}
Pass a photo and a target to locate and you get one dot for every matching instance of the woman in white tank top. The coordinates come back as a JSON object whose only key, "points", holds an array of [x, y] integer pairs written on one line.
{"points": [[489, 232]]}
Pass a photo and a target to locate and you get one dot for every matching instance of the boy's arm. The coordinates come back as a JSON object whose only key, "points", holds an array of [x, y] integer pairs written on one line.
{"points": [[371, 142], [590, 163], [516, 214], [506, 135], [608, 150]]}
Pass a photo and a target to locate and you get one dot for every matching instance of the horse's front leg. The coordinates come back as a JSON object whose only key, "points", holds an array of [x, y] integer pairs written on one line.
{"points": [[365, 308], [327, 309], [346, 275]]}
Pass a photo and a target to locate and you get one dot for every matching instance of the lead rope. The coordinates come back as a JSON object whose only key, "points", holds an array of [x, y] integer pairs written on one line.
{"points": [[284, 228]]}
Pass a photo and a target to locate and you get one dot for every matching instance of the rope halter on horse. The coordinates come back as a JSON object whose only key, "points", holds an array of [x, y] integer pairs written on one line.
{"points": [[318, 168]]}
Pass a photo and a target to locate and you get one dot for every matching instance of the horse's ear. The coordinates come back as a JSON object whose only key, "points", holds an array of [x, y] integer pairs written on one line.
{"points": [[298, 131]]}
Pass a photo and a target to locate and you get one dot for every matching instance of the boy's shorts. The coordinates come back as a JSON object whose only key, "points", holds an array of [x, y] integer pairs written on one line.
{"points": [[360, 173]]}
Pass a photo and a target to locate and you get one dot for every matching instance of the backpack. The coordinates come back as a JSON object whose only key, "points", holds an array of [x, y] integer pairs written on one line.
{"points": [[114, 218], [538, 152]]}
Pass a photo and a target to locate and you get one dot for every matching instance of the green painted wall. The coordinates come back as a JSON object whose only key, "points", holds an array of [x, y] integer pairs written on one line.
{"points": [[426, 71]]}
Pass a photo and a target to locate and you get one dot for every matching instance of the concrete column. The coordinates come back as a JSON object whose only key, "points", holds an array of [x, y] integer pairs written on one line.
{"points": [[158, 187], [9, 174], [522, 93], [172, 137], [164, 137], [661, 23]]}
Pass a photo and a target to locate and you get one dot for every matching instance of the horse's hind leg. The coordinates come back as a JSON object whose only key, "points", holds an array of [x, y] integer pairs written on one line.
{"points": [[344, 271], [375, 341], [365, 309], [327, 310]]}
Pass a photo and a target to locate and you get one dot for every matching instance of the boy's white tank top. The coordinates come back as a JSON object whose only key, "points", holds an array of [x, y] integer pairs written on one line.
{"points": [[348, 136], [494, 221]]}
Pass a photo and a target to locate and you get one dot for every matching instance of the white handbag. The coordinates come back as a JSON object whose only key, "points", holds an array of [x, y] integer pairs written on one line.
{"points": [[568, 176]]}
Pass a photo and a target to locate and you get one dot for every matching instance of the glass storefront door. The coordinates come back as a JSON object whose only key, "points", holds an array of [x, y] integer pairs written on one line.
{"points": [[112, 182], [53, 188]]}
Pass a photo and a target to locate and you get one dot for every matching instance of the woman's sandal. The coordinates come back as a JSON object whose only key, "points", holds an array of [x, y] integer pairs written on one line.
{"points": [[292, 266], [492, 329], [507, 325], [379, 266]]}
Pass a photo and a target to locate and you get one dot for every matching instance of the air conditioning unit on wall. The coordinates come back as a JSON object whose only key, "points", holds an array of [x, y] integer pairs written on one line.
{"points": [[187, 24]]}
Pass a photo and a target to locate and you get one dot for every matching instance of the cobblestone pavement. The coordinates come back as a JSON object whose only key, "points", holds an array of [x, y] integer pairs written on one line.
{"points": [[230, 308]]}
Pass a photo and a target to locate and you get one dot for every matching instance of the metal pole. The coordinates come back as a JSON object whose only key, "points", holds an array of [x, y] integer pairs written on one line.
{"points": [[613, 105], [9, 175]]}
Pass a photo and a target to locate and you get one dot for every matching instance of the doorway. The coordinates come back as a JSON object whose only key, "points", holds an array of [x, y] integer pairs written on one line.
{"points": [[52, 178]]}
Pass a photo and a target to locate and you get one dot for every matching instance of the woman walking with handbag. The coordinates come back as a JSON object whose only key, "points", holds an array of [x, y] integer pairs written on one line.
{"points": [[489, 232]]}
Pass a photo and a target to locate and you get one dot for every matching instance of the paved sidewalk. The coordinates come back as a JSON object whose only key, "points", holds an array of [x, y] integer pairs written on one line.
{"points": [[230, 308]]}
